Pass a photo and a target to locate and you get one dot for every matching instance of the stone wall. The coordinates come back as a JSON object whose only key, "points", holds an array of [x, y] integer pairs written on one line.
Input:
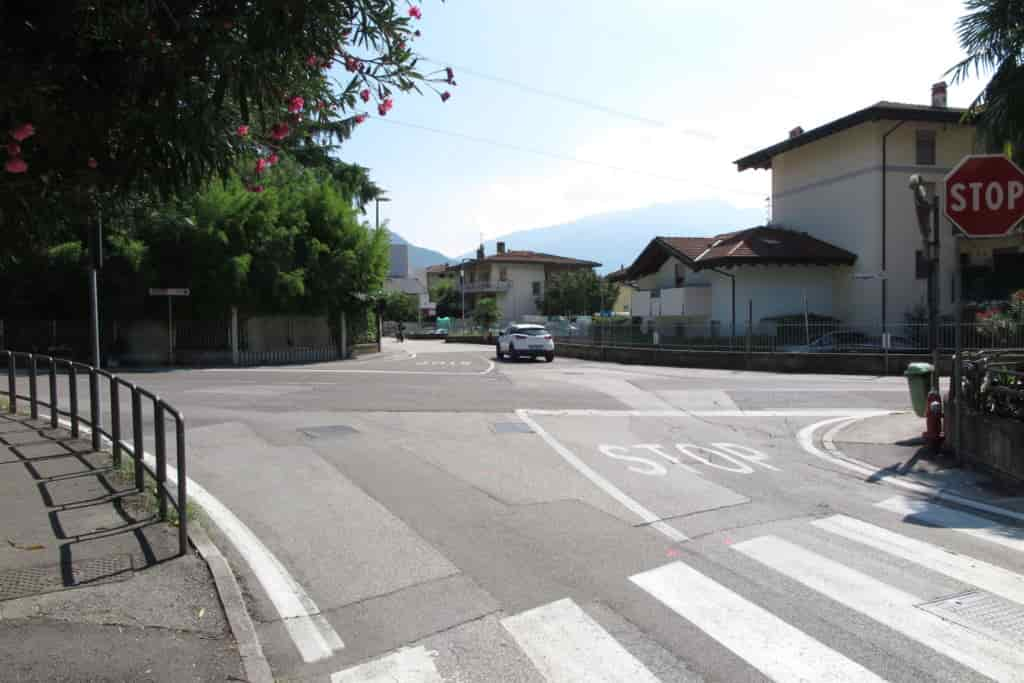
{"points": [[825, 363], [990, 443]]}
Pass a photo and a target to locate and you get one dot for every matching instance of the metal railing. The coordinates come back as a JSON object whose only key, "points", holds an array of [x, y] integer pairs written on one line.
{"points": [[178, 497], [992, 382], [814, 336]]}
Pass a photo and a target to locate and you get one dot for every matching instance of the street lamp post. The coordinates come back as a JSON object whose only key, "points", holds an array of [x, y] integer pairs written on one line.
{"points": [[928, 223], [376, 201], [462, 288]]}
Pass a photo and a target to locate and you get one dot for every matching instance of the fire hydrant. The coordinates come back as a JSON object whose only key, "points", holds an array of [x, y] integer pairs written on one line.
{"points": [[934, 434]]}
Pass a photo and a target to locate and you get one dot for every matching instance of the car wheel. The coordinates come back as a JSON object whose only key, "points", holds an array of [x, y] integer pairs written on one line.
{"points": [[549, 356], [512, 353], [497, 351]]}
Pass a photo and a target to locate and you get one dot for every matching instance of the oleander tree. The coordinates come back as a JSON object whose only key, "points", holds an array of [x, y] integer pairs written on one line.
{"points": [[104, 101]]}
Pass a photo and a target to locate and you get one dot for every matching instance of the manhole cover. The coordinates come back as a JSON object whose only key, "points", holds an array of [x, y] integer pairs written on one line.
{"points": [[512, 428], [983, 612], [328, 431], [19, 583]]}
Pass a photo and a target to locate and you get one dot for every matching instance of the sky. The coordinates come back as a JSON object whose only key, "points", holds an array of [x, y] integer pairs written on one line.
{"points": [[570, 108]]}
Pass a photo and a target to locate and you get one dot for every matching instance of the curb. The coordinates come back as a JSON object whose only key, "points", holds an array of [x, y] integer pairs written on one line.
{"points": [[832, 453], [257, 669]]}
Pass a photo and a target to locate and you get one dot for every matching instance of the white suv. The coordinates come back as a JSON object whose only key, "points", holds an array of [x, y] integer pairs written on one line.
{"points": [[525, 340]]}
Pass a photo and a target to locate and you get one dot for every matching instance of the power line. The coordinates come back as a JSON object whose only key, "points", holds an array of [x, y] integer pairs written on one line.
{"points": [[559, 157], [693, 132]]}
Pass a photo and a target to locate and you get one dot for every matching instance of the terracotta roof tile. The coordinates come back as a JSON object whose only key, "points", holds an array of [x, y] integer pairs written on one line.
{"points": [[772, 245]]}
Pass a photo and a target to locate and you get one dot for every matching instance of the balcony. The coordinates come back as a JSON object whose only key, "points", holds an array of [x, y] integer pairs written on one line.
{"points": [[486, 286]]}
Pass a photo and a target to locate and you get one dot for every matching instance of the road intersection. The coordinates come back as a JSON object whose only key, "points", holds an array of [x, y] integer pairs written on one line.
{"points": [[432, 515]]}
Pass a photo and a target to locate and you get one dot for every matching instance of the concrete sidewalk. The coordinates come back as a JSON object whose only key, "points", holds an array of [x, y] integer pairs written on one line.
{"points": [[91, 588], [894, 445]]}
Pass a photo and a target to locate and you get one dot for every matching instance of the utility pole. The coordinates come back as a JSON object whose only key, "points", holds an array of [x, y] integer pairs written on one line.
{"points": [[928, 223]]}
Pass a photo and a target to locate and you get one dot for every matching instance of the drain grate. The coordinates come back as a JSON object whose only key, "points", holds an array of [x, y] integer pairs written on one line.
{"points": [[512, 428], [983, 612], [20, 583], [328, 431]]}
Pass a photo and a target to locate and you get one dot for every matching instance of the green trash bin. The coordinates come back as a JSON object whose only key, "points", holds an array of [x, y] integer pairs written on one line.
{"points": [[919, 379]]}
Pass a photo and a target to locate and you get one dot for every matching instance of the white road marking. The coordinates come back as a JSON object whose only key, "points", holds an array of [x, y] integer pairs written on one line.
{"points": [[646, 515], [490, 368], [940, 515], [805, 437], [960, 567], [844, 413], [566, 645], [410, 665], [312, 634], [889, 606], [769, 644]]}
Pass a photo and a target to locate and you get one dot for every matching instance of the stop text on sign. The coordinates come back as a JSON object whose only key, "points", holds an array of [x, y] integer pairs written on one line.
{"points": [[978, 196]]}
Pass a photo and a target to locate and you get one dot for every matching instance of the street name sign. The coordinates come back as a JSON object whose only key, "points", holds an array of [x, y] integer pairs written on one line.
{"points": [[172, 291], [985, 195]]}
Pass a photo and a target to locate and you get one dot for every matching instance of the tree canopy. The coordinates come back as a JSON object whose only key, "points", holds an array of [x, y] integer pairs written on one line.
{"points": [[142, 96], [992, 35], [578, 292], [400, 307], [486, 312], [448, 299]]}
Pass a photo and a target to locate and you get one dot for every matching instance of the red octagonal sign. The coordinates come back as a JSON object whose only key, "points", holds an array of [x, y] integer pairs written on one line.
{"points": [[985, 195]]}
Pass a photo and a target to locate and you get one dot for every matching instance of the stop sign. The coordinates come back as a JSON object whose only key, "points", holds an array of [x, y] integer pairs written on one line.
{"points": [[985, 195]]}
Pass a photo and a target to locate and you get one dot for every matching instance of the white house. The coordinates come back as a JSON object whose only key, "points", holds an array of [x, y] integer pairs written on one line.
{"points": [[715, 279], [402, 278], [843, 234], [517, 279], [846, 183]]}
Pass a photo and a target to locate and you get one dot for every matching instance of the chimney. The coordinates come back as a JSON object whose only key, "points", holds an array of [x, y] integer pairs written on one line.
{"points": [[480, 252], [939, 94], [796, 132], [501, 247]]}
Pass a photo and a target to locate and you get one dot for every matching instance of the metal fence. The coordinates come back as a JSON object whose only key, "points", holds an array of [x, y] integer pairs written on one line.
{"points": [[57, 368], [993, 383], [813, 336]]}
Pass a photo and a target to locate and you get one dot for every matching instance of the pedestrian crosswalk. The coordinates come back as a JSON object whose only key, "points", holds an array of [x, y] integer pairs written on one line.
{"points": [[976, 631]]}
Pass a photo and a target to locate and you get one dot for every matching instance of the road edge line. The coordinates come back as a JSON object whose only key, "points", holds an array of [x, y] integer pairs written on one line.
{"points": [[805, 437], [313, 624]]}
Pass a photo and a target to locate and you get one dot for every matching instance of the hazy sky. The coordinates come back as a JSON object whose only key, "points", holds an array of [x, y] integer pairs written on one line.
{"points": [[673, 90]]}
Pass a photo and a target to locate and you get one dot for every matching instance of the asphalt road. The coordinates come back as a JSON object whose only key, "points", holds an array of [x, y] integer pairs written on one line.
{"points": [[432, 515]]}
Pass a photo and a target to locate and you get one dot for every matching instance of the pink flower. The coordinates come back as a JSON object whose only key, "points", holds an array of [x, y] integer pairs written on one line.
{"points": [[279, 131], [255, 188], [415, 12], [261, 165], [22, 132], [92, 163], [16, 165], [445, 96], [273, 159], [296, 104], [387, 104], [450, 75], [360, 118], [243, 130], [351, 64], [13, 149], [365, 95], [312, 60]]}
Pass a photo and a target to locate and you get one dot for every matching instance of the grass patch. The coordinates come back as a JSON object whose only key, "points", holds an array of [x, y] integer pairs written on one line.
{"points": [[148, 501]]}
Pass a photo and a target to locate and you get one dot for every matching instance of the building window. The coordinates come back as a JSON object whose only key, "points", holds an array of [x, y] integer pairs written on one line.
{"points": [[680, 275], [926, 148], [503, 274], [536, 289], [472, 276]]}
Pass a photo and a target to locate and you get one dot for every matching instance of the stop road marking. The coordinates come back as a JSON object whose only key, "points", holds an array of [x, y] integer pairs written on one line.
{"points": [[728, 457]]}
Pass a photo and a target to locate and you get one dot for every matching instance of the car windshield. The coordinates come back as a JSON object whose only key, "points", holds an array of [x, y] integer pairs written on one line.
{"points": [[530, 331]]}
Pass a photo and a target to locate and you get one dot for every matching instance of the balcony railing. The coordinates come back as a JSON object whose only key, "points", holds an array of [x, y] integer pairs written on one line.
{"points": [[487, 286]]}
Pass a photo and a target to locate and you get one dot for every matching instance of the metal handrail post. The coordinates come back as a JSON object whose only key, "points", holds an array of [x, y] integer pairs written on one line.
{"points": [[54, 409], [182, 486], [137, 441], [161, 456], [94, 407], [33, 399], [73, 398], [115, 421], [12, 383]]}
